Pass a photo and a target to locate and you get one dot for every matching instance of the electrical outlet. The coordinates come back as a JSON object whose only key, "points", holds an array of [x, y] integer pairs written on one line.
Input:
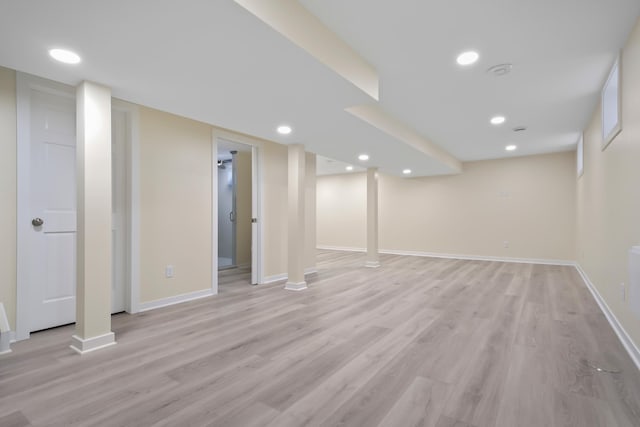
{"points": [[623, 292], [168, 271], [505, 244]]}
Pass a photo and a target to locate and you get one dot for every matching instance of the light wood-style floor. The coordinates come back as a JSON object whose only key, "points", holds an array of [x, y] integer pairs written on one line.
{"points": [[416, 342]]}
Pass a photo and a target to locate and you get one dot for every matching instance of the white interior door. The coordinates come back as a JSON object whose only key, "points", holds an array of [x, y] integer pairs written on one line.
{"points": [[50, 277], [52, 255]]}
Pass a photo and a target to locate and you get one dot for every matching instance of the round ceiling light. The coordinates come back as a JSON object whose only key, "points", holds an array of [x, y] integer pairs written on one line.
{"points": [[497, 120], [406, 171], [349, 168], [363, 157], [65, 56], [467, 58], [510, 147], [284, 130]]}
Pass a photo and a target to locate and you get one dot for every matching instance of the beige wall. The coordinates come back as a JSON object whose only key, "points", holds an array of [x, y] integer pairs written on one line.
{"points": [[609, 195], [175, 205], [526, 201], [243, 207], [275, 209], [8, 193], [342, 210]]}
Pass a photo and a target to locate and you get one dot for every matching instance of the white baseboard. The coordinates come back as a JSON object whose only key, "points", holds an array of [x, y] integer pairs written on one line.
{"points": [[177, 299], [275, 278], [340, 248], [480, 257], [285, 276], [454, 256], [84, 346], [622, 334], [295, 286]]}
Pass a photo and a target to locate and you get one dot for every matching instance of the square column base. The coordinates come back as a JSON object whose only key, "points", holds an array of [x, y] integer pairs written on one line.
{"points": [[296, 286], [83, 346], [372, 264]]}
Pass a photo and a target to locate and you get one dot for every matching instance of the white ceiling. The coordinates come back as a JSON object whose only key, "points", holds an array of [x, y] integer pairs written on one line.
{"points": [[327, 166], [214, 61]]}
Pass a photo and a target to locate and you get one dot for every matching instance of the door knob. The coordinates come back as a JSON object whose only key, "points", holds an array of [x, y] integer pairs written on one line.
{"points": [[37, 222]]}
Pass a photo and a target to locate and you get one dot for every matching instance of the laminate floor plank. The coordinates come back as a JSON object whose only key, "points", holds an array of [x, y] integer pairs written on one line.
{"points": [[14, 419], [416, 342], [419, 406]]}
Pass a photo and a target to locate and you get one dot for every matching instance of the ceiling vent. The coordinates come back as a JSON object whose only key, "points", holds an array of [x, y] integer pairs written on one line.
{"points": [[519, 128], [500, 69]]}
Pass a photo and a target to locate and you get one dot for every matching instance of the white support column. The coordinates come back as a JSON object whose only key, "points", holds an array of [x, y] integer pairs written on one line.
{"points": [[93, 165], [296, 185], [373, 259]]}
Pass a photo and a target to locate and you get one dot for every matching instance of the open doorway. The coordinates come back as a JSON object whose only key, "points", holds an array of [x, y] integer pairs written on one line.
{"points": [[235, 189]]}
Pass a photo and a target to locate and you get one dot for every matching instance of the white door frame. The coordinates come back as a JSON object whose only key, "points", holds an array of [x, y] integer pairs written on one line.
{"points": [[24, 84], [132, 208], [257, 188]]}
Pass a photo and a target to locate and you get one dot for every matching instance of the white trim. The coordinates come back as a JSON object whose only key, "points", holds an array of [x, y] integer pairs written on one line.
{"points": [[176, 299], [261, 216], [214, 213], [455, 256], [83, 346], [259, 146], [24, 84], [256, 212], [622, 334], [296, 286], [275, 278], [372, 264], [132, 184], [481, 257], [340, 248], [285, 276]]}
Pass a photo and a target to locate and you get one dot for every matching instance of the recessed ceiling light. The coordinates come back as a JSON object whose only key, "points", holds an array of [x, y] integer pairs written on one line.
{"points": [[510, 147], [349, 168], [363, 157], [497, 120], [406, 171], [284, 130], [467, 58], [65, 56]]}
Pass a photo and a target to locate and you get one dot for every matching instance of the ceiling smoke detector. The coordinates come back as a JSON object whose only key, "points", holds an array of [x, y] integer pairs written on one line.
{"points": [[500, 69], [519, 128]]}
